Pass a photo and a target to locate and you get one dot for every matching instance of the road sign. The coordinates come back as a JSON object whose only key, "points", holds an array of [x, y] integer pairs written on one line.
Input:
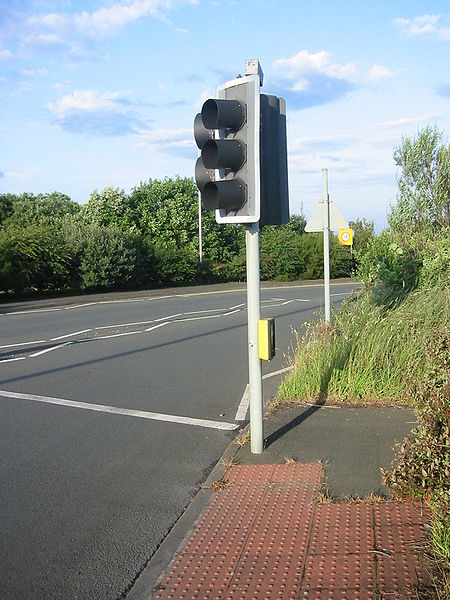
{"points": [[345, 237], [316, 222]]}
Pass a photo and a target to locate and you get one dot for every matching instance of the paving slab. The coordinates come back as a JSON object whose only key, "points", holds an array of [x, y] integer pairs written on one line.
{"points": [[264, 536], [353, 443]]}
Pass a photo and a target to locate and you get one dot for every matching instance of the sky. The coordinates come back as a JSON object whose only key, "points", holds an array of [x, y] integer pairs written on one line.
{"points": [[104, 92]]}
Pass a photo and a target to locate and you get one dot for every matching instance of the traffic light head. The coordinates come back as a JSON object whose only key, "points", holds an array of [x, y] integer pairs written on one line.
{"points": [[227, 134]]}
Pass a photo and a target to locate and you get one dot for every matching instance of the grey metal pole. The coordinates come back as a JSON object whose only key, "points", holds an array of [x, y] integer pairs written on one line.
{"points": [[253, 315], [200, 247], [326, 244]]}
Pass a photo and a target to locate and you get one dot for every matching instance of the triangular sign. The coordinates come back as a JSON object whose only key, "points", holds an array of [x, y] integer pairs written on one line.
{"points": [[316, 222]]}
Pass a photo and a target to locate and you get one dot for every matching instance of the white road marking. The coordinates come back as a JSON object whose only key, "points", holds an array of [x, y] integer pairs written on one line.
{"points": [[156, 326], [123, 411], [341, 294], [23, 344], [36, 310], [169, 317], [198, 318], [12, 359], [276, 305], [226, 314], [80, 305], [237, 306], [115, 335], [49, 349], [199, 312], [61, 337], [124, 324], [302, 300], [241, 412], [280, 372]]}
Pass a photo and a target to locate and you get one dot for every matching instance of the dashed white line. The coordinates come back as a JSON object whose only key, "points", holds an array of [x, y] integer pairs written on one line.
{"points": [[222, 426], [157, 326], [49, 349], [12, 359], [124, 325], [36, 310], [80, 305], [61, 337], [167, 318], [23, 344], [237, 306], [115, 335]]}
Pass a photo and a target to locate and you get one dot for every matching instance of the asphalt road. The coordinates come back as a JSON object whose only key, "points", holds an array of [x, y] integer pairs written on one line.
{"points": [[112, 413]]}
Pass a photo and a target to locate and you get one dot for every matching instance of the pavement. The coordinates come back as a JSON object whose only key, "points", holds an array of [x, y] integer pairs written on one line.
{"points": [[307, 518]]}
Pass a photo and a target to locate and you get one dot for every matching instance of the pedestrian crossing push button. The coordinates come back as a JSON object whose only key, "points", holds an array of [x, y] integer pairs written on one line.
{"points": [[266, 337]]}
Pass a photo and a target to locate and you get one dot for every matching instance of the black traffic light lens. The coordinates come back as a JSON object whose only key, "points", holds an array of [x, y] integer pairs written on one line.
{"points": [[202, 175], [201, 134], [228, 194], [223, 154], [223, 114]]}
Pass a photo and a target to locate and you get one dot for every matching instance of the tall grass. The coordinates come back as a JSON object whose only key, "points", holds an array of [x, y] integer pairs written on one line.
{"points": [[367, 352]]}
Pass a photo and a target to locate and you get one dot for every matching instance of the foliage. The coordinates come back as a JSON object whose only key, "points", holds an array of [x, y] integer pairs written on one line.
{"points": [[365, 352], [174, 265], [46, 209], [423, 201], [312, 251], [395, 268], [151, 237], [363, 234], [281, 254], [33, 258], [107, 259], [109, 208]]}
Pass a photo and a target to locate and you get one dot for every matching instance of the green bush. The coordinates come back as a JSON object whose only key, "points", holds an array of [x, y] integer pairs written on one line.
{"points": [[107, 259], [174, 265], [34, 258], [281, 256]]}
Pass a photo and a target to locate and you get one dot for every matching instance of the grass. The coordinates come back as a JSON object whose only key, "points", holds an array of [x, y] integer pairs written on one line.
{"points": [[365, 354]]}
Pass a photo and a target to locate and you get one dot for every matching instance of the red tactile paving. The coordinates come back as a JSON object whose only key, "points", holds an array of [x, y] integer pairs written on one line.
{"points": [[263, 537]]}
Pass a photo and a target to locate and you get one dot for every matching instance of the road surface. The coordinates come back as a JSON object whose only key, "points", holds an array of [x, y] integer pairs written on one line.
{"points": [[112, 413]]}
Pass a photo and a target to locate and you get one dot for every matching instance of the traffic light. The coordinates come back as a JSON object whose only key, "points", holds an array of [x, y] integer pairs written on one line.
{"points": [[273, 155], [227, 132]]}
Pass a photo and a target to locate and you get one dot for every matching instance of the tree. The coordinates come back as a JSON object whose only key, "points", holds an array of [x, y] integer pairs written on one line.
{"points": [[109, 208], [34, 258], [423, 199], [46, 209]]}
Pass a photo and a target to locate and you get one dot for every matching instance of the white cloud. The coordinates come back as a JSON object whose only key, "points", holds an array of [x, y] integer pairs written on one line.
{"points": [[377, 72], [5, 54], [312, 79], [101, 22], [85, 101], [179, 142], [424, 25], [305, 63]]}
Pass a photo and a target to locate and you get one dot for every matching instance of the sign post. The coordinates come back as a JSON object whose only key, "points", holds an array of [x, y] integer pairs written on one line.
{"points": [[326, 244], [326, 217]]}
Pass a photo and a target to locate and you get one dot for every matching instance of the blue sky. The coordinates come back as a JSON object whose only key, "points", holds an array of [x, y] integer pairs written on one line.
{"points": [[104, 92]]}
